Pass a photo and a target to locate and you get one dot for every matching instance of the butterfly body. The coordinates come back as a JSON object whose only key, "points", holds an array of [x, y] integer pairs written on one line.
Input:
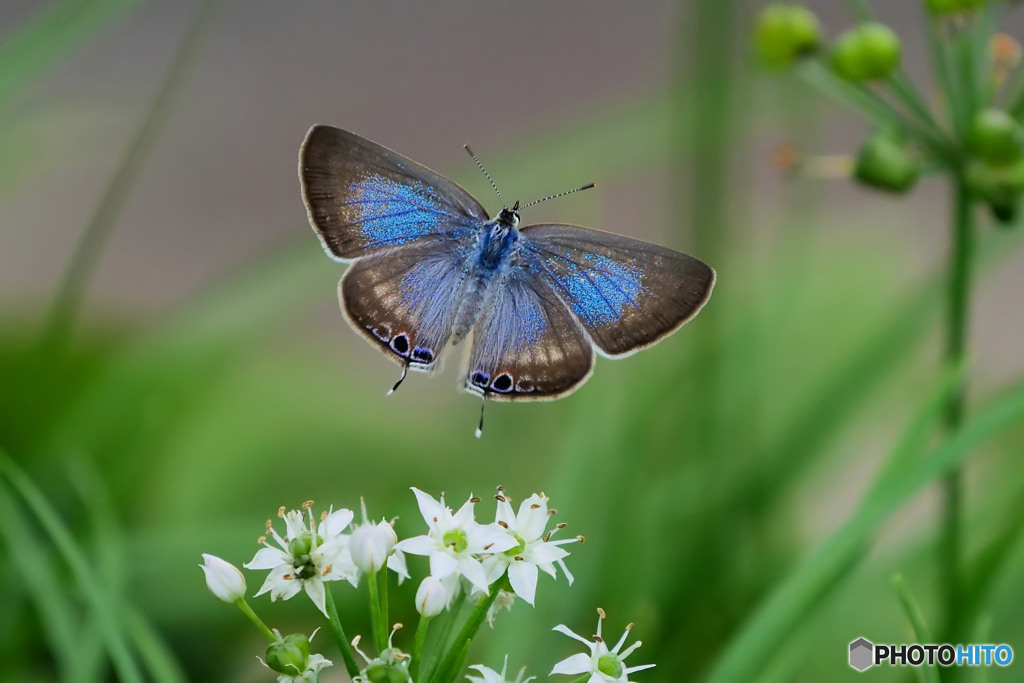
{"points": [[429, 269]]}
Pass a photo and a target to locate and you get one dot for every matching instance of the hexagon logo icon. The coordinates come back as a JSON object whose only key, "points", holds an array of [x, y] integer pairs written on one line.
{"points": [[862, 654]]}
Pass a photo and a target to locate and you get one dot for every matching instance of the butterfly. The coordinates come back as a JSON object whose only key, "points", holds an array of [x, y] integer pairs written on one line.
{"points": [[430, 268]]}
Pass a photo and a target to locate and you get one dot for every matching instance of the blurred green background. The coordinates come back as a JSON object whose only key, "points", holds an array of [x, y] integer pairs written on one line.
{"points": [[173, 367]]}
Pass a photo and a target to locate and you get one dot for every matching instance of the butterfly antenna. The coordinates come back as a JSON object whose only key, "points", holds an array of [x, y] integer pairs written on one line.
{"points": [[405, 369], [487, 175], [561, 194], [480, 427]]}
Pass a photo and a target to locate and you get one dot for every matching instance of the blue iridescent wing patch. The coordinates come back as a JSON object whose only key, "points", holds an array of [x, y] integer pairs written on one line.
{"points": [[363, 198], [526, 344], [627, 293]]}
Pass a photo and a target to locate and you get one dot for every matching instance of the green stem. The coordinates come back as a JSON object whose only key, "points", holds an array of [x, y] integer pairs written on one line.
{"points": [[956, 341], [417, 647], [380, 629], [912, 100], [385, 618], [442, 637], [468, 630], [339, 636], [247, 611], [871, 105]]}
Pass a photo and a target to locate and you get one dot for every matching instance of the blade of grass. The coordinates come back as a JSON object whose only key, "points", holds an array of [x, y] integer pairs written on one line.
{"points": [[72, 288], [104, 606], [918, 627], [50, 34], [39, 578], [799, 593]]}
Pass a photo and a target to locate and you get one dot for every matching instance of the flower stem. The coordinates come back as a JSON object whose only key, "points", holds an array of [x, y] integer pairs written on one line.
{"points": [[466, 633], [442, 638], [247, 611], [380, 635], [417, 647], [339, 636], [385, 618], [956, 336]]}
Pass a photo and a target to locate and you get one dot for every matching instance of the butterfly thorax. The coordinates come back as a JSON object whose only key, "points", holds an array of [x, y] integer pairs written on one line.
{"points": [[495, 247]]}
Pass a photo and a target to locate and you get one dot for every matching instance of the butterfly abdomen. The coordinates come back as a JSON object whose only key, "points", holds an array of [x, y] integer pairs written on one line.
{"points": [[494, 250]]}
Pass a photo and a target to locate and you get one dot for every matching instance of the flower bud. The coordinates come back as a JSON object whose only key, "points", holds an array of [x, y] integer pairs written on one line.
{"points": [[996, 136], [370, 545], [431, 597], [785, 33], [289, 655], [382, 672], [1001, 187], [885, 162], [223, 579], [867, 52]]}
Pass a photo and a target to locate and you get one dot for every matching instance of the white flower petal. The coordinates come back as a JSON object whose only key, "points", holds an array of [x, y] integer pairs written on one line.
{"points": [[315, 591], [566, 631], [473, 571], [533, 517], [431, 510], [442, 564], [268, 558], [523, 577], [577, 664], [464, 517], [540, 553], [639, 668], [396, 563], [489, 538], [494, 567], [418, 545], [504, 513], [335, 523]]}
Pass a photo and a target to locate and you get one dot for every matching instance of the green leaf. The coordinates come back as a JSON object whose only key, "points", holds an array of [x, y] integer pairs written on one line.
{"points": [[918, 628]]}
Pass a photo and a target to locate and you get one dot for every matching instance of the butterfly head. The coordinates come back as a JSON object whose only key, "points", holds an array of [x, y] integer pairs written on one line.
{"points": [[509, 217]]}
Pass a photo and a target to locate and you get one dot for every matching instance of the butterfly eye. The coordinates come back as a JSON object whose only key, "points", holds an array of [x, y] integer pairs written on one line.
{"points": [[480, 379], [502, 383], [400, 344], [423, 355]]}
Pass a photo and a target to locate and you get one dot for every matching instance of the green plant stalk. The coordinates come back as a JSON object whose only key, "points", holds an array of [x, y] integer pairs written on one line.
{"points": [[956, 341], [918, 627], [417, 647], [254, 618], [339, 635], [868, 104], [442, 637], [106, 607], [468, 630], [70, 291], [380, 634], [385, 618]]}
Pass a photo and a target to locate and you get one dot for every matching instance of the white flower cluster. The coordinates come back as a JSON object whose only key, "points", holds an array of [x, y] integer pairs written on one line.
{"points": [[462, 549], [308, 556], [490, 564]]}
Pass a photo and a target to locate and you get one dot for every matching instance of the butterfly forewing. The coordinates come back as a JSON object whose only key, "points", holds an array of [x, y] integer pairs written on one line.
{"points": [[363, 198], [627, 293], [527, 345], [404, 301]]}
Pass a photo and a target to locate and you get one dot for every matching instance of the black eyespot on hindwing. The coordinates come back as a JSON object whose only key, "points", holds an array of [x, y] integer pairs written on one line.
{"points": [[502, 383], [400, 344]]}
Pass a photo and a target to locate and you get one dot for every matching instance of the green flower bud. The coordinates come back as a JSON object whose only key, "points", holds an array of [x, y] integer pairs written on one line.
{"points": [[289, 655], [996, 137], [1000, 187], [885, 162], [867, 52], [386, 672], [785, 33]]}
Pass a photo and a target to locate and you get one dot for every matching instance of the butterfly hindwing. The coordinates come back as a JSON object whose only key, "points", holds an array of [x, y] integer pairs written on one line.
{"points": [[627, 293], [363, 198], [404, 300], [526, 344]]}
